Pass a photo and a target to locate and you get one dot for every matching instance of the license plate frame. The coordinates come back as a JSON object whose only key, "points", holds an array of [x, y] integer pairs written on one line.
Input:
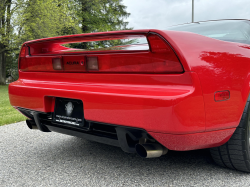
{"points": [[69, 112]]}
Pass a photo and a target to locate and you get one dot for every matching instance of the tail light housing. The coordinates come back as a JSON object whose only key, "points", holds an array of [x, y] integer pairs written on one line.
{"points": [[159, 58]]}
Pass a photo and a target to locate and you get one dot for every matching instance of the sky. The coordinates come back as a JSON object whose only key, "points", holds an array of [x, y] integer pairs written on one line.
{"points": [[159, 14]]}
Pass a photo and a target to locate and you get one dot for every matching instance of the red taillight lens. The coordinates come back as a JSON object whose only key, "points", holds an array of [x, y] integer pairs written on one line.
{"points": [[163, 55], [23, 51], [21, 61], [38, 63], [157, 45], [161, 59]]}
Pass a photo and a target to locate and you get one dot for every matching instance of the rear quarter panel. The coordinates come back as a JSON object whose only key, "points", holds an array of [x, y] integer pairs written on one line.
{"points": [[220, 66]]}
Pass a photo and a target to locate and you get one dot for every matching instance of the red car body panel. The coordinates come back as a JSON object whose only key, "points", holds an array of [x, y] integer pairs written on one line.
{"points": [[220, 66], [119, 96], [184, 142], [178, 110]]}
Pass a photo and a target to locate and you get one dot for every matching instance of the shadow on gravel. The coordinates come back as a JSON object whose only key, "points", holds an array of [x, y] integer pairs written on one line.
{"points": [[82, 152], [33, 158]]}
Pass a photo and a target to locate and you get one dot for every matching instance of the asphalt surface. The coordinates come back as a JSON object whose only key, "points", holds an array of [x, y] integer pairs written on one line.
{"points": [[33, 158]]}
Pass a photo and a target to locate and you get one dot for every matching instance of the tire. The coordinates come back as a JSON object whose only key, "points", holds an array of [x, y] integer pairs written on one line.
{"points": [[235, 154]]}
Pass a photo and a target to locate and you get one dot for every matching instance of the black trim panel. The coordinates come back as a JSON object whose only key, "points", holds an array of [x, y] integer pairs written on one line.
{"points": [[91, 137]]}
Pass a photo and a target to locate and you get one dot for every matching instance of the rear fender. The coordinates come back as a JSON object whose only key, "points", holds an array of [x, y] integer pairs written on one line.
{"points": [[220, 65]]}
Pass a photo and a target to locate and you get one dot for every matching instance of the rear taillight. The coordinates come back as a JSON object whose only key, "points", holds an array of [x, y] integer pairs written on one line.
{"points": [[21, 61], [163, 56], [157, 45], [159, 59], [23, 51], [36, 64]]}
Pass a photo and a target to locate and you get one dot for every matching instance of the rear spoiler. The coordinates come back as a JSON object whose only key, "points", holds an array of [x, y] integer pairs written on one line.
{"points": [[51, 45], [87, 36]]}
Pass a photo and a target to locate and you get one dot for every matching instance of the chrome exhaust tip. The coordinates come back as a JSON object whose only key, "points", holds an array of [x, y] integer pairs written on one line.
{"points": [[150, 150], [31, 124]]}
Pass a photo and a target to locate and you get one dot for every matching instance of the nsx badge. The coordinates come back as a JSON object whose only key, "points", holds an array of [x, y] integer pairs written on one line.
{"points": [[69, 108]]}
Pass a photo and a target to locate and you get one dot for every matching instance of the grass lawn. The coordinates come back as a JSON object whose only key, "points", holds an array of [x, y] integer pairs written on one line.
{"points": [[7, 113]]}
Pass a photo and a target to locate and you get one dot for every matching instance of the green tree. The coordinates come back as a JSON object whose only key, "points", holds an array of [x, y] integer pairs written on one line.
{"points": [[5, 33], [34, 19], [100, 16], [43, 18], [24, 20]]}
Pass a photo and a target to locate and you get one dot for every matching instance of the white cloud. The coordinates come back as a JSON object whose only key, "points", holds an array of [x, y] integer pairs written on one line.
{"points": [[158, 14]]}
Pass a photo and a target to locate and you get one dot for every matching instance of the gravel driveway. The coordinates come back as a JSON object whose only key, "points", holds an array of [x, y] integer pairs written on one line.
{"points": [[34, 158]]}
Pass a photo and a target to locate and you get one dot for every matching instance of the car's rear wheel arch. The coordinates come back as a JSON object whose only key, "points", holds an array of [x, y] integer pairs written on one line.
{"points": [[235, 154]]}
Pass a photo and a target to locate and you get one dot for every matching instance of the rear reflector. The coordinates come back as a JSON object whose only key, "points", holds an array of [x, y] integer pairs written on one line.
{"points": [[222, 95], [57, 64]]}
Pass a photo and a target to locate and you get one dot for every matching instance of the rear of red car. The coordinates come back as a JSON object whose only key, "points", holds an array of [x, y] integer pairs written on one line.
{"points": [[127, 96]]}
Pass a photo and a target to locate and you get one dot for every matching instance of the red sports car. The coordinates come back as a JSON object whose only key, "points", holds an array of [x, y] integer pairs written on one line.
{"points": [[146, 91]]}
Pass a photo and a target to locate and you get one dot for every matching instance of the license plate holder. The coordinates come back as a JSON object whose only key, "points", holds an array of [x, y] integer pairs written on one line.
{"points": [[69, 112]]}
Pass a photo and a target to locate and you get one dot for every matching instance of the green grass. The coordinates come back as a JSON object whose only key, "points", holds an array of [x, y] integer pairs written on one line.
{"points": [[7, 113]]}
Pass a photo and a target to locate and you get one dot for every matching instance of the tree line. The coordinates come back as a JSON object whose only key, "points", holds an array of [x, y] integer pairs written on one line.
{"points": [[24, 20]]}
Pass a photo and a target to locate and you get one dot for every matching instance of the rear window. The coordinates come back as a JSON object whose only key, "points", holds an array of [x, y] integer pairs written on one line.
{"points": [[226, 30]]}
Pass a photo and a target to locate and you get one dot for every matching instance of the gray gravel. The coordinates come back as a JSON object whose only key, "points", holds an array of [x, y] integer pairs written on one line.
{"points": [[34, 158]]}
